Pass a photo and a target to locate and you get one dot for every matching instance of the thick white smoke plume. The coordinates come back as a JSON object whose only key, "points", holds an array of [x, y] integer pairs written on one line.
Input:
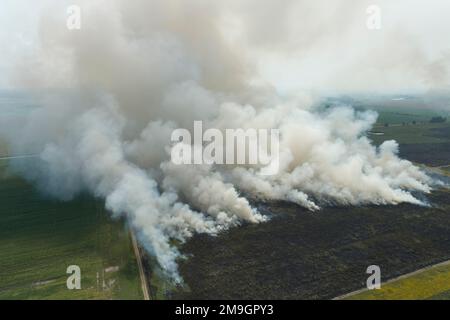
{"points": [[139, 69]]}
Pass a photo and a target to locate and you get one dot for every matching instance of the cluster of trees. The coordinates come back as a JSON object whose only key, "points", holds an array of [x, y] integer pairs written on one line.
{"points": [[438, 120]]}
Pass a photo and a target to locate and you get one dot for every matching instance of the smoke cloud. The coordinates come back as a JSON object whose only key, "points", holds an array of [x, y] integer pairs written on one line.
{"points": [[139, 69]]}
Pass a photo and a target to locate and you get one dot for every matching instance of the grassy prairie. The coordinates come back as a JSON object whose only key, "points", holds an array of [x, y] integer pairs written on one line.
{"points": [[432, 283], [40, 238]]}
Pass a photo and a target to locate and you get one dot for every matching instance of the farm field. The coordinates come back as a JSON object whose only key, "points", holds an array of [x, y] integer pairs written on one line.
{"points": [[3, 149], [423, 143], [410, 109], [412, 133], [40, 238]]}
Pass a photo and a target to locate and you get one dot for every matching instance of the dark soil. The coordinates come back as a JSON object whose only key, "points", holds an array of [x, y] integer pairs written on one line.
{"points": [[303, 255]]}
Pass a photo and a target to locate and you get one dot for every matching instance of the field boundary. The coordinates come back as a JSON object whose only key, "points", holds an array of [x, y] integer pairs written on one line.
{"points": [[19, 157], [140, 267], [404, 276]]}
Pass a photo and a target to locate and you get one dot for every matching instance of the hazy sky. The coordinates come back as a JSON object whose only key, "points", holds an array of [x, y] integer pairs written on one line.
{"points": [[316, 45], [18, 32]]}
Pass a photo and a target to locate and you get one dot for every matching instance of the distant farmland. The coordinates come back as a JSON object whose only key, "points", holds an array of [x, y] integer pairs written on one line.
{"points": [[3, 149], [40, 238]]}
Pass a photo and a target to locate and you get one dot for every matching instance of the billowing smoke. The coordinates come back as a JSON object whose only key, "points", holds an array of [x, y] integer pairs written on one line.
{"points": [[139, 69]]}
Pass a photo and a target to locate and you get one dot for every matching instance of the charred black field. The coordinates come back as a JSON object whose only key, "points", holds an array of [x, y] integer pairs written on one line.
{"points": [[303, 255]]}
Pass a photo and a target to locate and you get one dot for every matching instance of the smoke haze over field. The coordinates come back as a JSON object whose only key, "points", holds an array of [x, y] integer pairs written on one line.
{"points": [[139, 69]]}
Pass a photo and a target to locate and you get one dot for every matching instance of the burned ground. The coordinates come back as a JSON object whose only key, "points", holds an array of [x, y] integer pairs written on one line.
{"points": [[303, 255], [432, 154]]}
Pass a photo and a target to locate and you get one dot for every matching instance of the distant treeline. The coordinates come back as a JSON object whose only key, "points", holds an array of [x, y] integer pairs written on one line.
{"points": [[438, 120]]}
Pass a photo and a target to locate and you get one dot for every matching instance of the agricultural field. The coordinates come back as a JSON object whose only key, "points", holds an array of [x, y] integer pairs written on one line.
{"points": [[40, 238], [423, 143], [425, 133], [3, 149], [406, 110]]}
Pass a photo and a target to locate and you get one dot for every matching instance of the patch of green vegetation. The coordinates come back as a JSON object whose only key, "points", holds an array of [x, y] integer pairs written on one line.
{"points": [[433, 283], [40, 238], [410, 134], [405, 111], [3, 149], [160, 286], [400, 117], [441, 296]]}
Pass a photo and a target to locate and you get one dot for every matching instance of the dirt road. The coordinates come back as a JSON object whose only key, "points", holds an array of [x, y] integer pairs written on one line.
{"points": [[141, 268], [18, 157]]}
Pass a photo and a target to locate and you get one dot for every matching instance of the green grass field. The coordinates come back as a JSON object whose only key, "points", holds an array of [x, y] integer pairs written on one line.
{"points": [[410, 134], [399, 116], [40, 238], [432, 283], [413, 109], [3, 149]]}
